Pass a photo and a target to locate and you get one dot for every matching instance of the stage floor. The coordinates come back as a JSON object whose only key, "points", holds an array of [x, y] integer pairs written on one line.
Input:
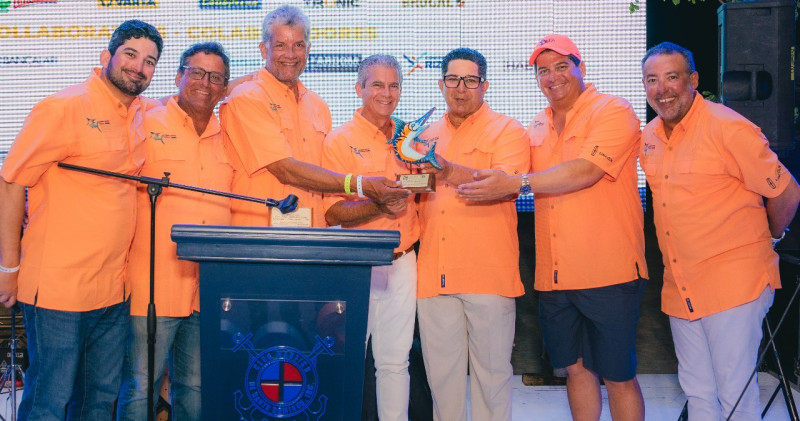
{"points": [[663, 397], [662, 394]]}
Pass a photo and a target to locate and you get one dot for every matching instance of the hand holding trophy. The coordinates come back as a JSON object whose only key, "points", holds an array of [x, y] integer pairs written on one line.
{"points": [[405, 136]]}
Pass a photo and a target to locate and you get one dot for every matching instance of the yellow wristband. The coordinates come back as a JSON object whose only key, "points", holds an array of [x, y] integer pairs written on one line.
{"points": [[347, 183]]}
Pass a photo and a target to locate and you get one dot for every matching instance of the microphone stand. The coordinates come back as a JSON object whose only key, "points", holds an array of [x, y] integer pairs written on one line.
{"points": [[154, 187]]}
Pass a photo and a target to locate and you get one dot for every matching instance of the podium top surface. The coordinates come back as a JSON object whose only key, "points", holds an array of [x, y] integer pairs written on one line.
{"points": [[288, 245]]}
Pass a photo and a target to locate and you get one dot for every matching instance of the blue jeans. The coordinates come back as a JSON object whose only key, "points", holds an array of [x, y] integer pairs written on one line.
{"points": [[75, 362], [177, 341]]}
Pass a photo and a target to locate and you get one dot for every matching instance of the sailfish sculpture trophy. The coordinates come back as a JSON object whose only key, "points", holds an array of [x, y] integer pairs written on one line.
{"points": [[406, 134]]}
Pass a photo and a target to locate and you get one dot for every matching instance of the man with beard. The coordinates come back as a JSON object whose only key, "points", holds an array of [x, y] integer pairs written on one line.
{"points": [[67, 271], [710, 170], [277, 127], [184, 139]]}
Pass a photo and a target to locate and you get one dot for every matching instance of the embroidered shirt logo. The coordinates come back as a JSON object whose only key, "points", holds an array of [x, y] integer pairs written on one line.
{"points": [[359, 151], [94, 123], [159, 137]]}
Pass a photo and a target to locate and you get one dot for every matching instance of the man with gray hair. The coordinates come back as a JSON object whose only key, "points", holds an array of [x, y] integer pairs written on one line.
{"points": [[361, 145], [277, 127]]}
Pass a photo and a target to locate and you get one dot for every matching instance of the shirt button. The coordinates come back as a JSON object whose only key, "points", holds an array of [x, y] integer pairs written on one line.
{"points": [[683, 288], [554, 235], [442, 212], [442, 238], [674, 260], [669, 148], [666, 176], [664, 205], [555, 263], [667, 232]]}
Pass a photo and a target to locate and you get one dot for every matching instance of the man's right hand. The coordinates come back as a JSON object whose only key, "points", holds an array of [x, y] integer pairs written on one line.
{"points": [[8, 288], [382, 190]]}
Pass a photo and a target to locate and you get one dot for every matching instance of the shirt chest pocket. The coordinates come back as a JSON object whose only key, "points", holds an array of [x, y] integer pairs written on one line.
{"points": [[480, 157], [101, 137], [165, 150], [700, 166], [700, 175]]}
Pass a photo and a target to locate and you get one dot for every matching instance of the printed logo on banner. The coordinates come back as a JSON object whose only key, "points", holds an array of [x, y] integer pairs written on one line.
{"points": [[517, 66], [422, 61], [128, 4], [231, 4], [333, 63], [61, 32], [318, 4], [16, 4], [356, 33], [281, 381], [252, 32], [431, 3], [28, 60]]}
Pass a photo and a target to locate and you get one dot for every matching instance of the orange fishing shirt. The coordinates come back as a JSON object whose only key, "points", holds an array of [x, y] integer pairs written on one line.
{"points": [[359, 147], [592, 237], [75, 247], [172, 145], [708, 181], [465, 247], [266, 124]]}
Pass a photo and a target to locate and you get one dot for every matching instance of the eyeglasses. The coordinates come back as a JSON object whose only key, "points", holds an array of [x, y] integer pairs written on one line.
{"points": [[198, 73], [470, 82]]}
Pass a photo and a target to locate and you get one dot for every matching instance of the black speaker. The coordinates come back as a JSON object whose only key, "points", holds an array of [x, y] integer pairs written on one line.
{"points": [[757, 55]]}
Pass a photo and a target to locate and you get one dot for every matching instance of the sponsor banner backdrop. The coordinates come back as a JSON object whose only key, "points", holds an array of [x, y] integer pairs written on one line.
{"points": [[47, 45]]}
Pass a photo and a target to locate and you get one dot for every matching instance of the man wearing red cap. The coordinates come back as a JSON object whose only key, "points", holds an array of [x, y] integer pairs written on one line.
{"points": [[590, 266]]}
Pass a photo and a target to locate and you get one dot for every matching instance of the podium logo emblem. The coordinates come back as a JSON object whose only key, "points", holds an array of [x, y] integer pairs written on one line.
{"points": [[281, 381]]}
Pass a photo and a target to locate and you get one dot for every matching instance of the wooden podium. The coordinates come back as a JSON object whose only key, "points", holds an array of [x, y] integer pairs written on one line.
{"points": [[284, 318]]}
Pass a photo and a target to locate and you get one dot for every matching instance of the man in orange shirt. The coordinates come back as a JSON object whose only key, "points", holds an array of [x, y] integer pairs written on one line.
{"points": [[468, 267], [277, 127], [590, 266], [710, 170], [68, 270], [184, 139], [360, 145]]}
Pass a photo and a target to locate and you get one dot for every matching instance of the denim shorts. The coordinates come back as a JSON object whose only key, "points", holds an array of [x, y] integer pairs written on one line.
{"points": [[596, 324]]}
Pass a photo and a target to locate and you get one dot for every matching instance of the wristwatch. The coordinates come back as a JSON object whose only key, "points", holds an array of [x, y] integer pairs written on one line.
{"points": [[526, 185]]}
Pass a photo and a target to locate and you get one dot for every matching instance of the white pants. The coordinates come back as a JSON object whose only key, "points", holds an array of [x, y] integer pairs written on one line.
{"points": [[716, 355], [474, 329], [392, 307]]}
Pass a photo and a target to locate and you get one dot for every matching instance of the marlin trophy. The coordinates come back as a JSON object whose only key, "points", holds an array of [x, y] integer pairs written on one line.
{"points": [[405, 135]]}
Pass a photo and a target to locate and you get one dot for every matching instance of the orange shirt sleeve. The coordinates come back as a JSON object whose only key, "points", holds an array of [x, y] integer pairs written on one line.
{"points": [[612, 137], [752, 161], [511, 154], [254, 130], [42, 142]]}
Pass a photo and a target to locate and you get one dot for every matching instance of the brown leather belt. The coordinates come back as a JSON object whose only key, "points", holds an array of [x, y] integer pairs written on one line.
{"points": [[400, 254]]}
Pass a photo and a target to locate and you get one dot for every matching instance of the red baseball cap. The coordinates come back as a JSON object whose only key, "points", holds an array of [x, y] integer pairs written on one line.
{"points": [[558, 43]]}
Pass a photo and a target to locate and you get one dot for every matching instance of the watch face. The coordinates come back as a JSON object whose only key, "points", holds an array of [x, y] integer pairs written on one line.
{"points": [[526, 189]]}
